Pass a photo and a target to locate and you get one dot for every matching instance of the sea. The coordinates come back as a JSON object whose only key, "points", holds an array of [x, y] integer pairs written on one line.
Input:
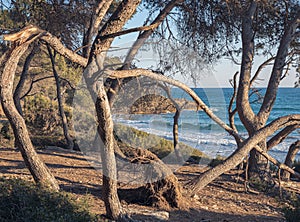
{"points": [[199, 131]]}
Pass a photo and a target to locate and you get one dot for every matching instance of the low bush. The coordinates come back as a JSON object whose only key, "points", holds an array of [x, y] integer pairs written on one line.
{"points": [[292, 213], [24, 201]]}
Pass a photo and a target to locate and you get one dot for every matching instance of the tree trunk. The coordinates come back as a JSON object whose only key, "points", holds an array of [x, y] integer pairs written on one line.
{"points": [[38, 169], [257, 162], [176, 137], [69, 140], [94, 80], [105, 130], [293, 150]]}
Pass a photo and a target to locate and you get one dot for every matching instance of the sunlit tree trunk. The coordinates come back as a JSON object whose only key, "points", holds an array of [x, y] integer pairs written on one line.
{"points": [[38, 169]]}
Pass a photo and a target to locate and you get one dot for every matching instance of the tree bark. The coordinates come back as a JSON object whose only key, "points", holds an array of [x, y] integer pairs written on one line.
{"points": [[94, 79], [293, 150], [69, 140], [38, 169], [105, 130]]}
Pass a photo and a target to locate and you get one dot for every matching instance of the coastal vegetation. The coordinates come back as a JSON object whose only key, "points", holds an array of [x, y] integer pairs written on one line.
{"points": [[52, 50]]}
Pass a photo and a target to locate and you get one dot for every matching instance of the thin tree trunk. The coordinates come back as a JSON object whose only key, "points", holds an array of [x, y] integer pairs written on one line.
{"points": [[293, 150], [19, 87], [175, 124], [69, 140], [38, 169], [176, 137]]}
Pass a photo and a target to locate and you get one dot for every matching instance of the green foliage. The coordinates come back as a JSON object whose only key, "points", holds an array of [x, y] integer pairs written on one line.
{"points": [[159, 146], [5, 130], [6, 134], [23, 201], [41, 115], [216, 161], [292, 213]]}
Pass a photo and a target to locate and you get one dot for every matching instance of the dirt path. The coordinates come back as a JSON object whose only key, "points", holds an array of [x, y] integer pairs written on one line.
{"points": [[223, 200]]}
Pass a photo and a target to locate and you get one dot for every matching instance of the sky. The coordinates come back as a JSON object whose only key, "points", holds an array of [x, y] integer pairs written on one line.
{"points": [[218, 74]]}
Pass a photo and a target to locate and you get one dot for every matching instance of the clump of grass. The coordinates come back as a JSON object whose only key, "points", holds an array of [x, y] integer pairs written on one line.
{"points": [[24, 201]]}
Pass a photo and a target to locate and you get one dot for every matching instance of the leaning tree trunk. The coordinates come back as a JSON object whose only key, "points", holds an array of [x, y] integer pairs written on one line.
{"points": [[38, 169], [238, 156], [293, 150], [69, 140]]}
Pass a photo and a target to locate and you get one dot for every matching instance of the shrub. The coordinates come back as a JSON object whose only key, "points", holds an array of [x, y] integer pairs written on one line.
{"points": [[24, 201], [292, 214]]}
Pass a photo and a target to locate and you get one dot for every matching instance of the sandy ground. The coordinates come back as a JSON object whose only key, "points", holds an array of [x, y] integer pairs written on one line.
{"points": [[223, 200]]}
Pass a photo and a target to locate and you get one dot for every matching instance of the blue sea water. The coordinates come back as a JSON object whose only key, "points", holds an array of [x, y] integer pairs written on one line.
{"points": [[199, 131]]}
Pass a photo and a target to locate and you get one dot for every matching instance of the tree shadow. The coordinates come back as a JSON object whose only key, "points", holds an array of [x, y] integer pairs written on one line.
{"points": [[210, 216]]}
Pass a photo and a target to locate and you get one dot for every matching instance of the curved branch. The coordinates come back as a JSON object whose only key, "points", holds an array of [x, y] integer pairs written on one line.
{"points": [[279, 137], [20, 85], [56, 44], [145, 35], [99, 12], [260, 68], [31, 85], [194, 96]]}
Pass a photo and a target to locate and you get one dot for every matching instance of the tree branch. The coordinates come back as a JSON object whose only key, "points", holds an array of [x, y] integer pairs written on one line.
{"points": [[260, 68], [241, 153], [279, 64], [280, 136]]}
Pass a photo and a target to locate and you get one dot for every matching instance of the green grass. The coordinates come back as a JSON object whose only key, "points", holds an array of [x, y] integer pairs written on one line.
{"points": [[24, 201]]}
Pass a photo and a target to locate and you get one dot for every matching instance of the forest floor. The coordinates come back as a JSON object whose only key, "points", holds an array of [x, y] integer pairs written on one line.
{"points": [[223, 200]]}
